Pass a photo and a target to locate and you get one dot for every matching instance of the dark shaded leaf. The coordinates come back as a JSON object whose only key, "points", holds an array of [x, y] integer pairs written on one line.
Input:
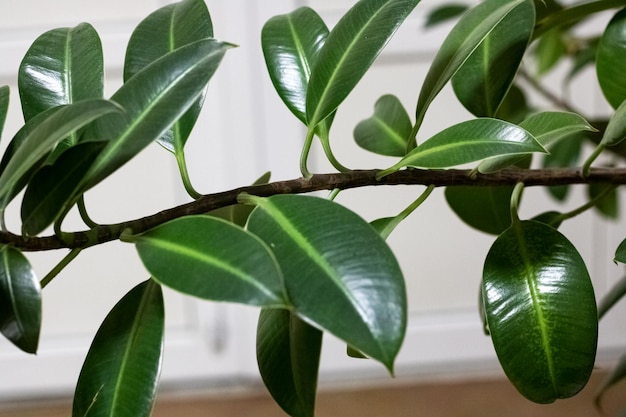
{"points": [[444, 13], [387, 131], [607, 205], [514, 107], [620, 253], [484, 208], [551, 218], [563, 154], [4, 106], [611, 60]]}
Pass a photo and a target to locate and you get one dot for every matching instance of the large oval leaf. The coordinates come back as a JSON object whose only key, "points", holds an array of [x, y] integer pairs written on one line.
{"points": [[611, 60], [484, 208], [20, 300], [338, 271], [187, 21], [541, 311], [154, 99], [4, 106], [212, 259], [486, 76], [288, 354], [62, 66], [351, 48], [120, 375], [387, 131]]}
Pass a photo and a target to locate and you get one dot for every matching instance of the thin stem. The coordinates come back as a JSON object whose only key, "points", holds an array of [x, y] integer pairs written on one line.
{"points": [[184, 175], [516, 199], [59, 267], [306, 149], [82, 209], [588, 205], [393, 224], [596, 153], [333, 194], [331, 157]]}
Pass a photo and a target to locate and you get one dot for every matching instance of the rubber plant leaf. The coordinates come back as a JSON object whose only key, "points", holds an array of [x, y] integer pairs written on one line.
{"points": [[351, 48], [617, 292], [610, 64], [38, 138], [4, 106], [467, 35], [551, 48], [620, 253], [121, 371], [548, 128], [50, 187], [487, 75], [288, 354], [212, 259], [387, 131], [154, 99], [239, 213], [444, 13], [616, 128], [469, 141], [607, 200], [187, 21], [339, 273], [20, 300], [541, 311], [62, 66], [484, 208]]}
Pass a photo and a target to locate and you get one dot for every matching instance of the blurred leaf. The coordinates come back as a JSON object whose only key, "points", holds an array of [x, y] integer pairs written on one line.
{"points": [[387, 131], [551, 218], [620, 253], [546, 8], [239, 213], [120, 374], [617, 292], [484, 79], [187, 21], [212, 259], [20, 300], [444, 13], [541, 311], [616, 129], [49, 189], [583, 58], [351, 48], [484, 208], [618, 374], [288, 354], [327, 252], [4, 106], [550, 49], [611, 65], [608, 204]]}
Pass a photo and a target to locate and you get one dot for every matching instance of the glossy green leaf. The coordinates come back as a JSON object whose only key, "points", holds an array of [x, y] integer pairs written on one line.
{"points": [[484, 208], [607, 204], [187, 21], [351, 48], [551, 48], [154, 99], [616, 129], [120, 375], [469, 141], [548, 128], [620, 253], [4, 106], [212, 259], [541, 311], [551, 218], [49, 189], [617, 293], [239, 213], [444, 13], [387, 131], [20, 300], [515, 107], [486, 76], [63, 66], [339, 273], [616, 375], [39, 137], [610, 62], [291, 44], [461, 42], [288, 354]]}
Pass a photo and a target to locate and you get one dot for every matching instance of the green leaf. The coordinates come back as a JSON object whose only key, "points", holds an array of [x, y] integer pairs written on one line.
{"points": [[49, 189], [551, 218], [486, 76], [387, 131], [443, 13], [608, 205], [459, 45], [334, 264], [39, 137], [550, 49], [351, 48], [565, 153], [187, 21], [610, 62], [617, 292], [291, 44], [514, 108], [239, 213], [288, 354], [20, 300], [541, 311], [63, 66], [484, 208], [620, 253], [154, 99], [120, 374], [212, 259], [4, 106], [469, 141], [616, 129]]}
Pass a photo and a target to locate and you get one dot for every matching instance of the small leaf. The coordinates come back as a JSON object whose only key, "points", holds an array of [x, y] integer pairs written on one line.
{"points": [[616, 129], [550, 49], [351, 48], [617, 292], [608, 205], [120, 374], [620, 253], [387, 131], [610, 62], [288, 354], [212, 259], [484, 208], [486, 76], [444, 13], [4, 106], [20, 300], [239, 213], [541, 311], [334, 265]]}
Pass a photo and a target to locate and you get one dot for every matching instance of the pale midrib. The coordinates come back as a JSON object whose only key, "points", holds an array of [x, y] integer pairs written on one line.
{"points": [[391, 132]]}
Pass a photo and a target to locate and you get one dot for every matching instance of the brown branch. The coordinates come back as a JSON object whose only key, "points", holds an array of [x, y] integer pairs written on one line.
{"points": [[347, 180]]}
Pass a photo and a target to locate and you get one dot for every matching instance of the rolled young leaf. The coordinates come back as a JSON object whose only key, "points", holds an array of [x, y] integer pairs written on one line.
{"points": [[335, 265], [120, 375], [20, 300], [541, 311], [387, 131], [610, 63]]}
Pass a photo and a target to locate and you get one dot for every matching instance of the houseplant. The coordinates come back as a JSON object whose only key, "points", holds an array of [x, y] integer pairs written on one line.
{"points": [[260, 245]]}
